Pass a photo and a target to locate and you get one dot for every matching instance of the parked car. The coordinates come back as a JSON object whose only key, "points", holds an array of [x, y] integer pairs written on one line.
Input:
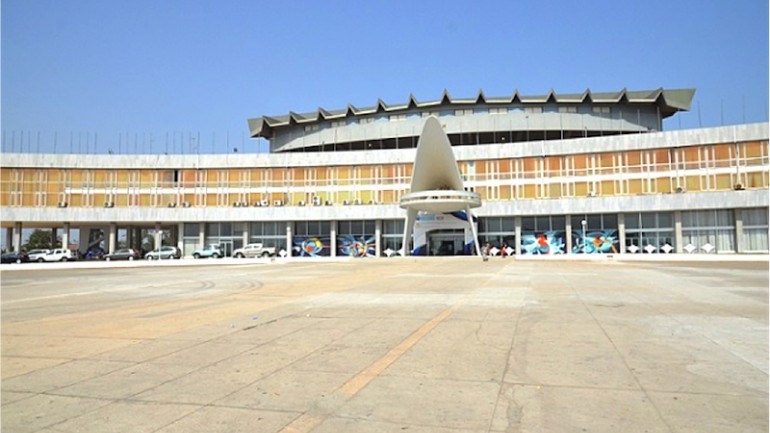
{"points": [[213, 251], [164, 253], [254, 250], [58, 255], [14, 257], [123, 254], [37, 255]]}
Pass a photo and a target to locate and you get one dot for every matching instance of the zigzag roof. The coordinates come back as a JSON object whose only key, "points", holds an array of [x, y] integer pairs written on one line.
{"points": [[670, 101]]}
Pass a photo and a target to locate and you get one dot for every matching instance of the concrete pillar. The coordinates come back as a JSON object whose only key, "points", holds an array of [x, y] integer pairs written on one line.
{"points": [[158, 236], [246, 234], [333, 239], [517, 223], [738, 231], [469, 215], [8, 238], [568, 233], [17, 236], [289, 239], [137, 238], [411, 216], [113, 238], [53, 238], [678, 232], [180, 237], [378, 238], [621, 233], [201, 235], [65, 236]]}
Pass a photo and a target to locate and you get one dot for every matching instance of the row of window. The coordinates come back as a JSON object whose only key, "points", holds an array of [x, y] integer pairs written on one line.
{"points": [[712, 157], [702, 232], [603, 110]]}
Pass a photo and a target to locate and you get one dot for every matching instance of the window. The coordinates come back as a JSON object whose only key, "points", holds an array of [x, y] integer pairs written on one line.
{"points": [[355, 238], [755, 229], [601, 234], [497, 230], [601, 110], [709, 231], [269, 233], [365, 120], [311, 238], [464, 112], [338, 123], [543, 235], [568, 109], [533, 110], [429, 113], [397, 117], [310, 128], [650, 233], [498, 110]]}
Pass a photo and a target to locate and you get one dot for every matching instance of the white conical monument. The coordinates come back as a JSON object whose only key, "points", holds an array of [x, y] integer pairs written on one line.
{"points": [[436, 183]]}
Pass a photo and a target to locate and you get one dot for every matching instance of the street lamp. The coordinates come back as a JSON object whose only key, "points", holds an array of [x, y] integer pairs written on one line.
{"points": [[584, 223]]}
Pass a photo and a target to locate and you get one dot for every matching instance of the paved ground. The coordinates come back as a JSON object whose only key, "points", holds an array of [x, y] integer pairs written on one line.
{"points": [[392, 345]]}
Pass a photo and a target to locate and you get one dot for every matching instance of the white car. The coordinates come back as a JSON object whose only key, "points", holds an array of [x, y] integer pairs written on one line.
{"points": [[58, 255], [37, 255], [254, 250], [164, 253]]}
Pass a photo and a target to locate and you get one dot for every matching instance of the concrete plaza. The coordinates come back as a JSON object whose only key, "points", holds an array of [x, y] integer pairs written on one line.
{"points": [[448, 345]]}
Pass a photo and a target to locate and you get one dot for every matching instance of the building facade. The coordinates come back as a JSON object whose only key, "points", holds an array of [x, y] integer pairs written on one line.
{"points": [[588, 173]]}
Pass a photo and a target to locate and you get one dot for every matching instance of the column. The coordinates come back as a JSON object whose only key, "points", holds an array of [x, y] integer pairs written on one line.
{"points": [[378, 238], [469, 216], [411, 215], [678, 231], [738, 231], [333, 239], [65, 236], [17, 236], [113, 238], [8, 238], [568, 233], [158, 236], [621, 233], [246, 233], [289, 239], [180, 237], [201, 235], [517, 223], [53, 238]]}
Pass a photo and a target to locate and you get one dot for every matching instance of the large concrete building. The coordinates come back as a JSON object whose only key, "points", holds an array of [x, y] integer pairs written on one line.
{"points": [[557, 174]]}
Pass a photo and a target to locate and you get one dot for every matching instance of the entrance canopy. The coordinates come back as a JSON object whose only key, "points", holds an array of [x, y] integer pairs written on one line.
{"points": [[436, 183]]}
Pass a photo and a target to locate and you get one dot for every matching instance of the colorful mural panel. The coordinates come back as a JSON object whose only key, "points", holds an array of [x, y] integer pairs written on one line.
{"points": [[352, 246], [310, 246], [550, 242], [595, 242]]}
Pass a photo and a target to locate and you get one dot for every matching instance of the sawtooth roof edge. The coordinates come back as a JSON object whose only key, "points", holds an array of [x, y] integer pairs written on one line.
{"points": [[670, 101]]}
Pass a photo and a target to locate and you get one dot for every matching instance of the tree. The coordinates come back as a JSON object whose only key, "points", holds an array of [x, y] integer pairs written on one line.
{"points": [[40, 239]]}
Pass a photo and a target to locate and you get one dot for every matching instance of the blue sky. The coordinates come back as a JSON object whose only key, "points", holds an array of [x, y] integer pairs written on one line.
{"points": [[109, 71]]}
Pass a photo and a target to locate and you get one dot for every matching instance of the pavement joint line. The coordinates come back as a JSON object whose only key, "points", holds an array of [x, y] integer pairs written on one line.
{"points": [[309, 421], [620, 355]]}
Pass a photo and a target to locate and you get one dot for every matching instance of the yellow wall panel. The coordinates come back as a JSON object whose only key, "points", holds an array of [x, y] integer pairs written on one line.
{"points": [[554, 190], [529, 191], [608, 187], [756, 180], [634, 186], [664, 185], [693, 183]]}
